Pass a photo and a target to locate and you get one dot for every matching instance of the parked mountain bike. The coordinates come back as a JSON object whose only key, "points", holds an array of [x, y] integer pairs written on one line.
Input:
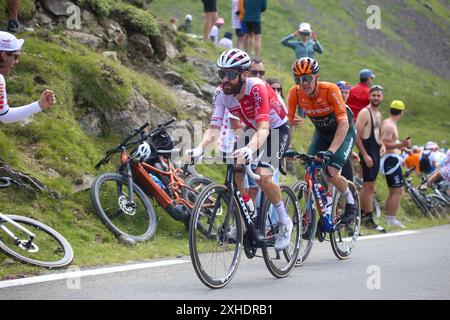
{"points": [[311, 195], [221, 211], [120, 199], [31, 241]]}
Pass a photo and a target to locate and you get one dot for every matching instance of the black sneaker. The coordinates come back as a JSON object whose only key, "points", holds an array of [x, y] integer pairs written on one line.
{"points": [[14, 26], [369, 223], [349, 213]]}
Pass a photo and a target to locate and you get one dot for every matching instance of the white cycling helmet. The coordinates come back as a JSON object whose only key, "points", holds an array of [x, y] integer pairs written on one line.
{"points": [[234, 59], [142, 153]]}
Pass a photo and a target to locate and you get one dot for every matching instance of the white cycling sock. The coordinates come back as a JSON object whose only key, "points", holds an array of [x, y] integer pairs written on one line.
{"points": [[282, 214], [348, 197]]}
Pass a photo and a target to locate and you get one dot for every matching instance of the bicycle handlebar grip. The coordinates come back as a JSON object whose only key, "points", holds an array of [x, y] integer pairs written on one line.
{"points": [[168, 122], [145, 125], [251, 174]]}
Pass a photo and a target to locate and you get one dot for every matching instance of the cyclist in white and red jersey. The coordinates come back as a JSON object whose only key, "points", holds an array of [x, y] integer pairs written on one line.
{"points": [[260, 108], [10, 48]]}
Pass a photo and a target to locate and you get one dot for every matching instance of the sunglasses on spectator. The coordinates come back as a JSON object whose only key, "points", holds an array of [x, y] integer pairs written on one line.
{"points": [[14, 54], [304, 33], [229, 74], [279, 89], [256, 72], [304, 78]]}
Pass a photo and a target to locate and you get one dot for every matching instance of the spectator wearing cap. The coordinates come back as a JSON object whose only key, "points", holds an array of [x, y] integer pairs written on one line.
{"points": [[252, 22], [227, 41], [305, 43], [390, 164], [359, 94], [10, 49], [214, 34], [187, 25], [211, 15], [173, 23]]}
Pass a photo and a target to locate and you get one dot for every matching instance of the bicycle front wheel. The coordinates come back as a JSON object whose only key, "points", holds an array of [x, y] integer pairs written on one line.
{"points": [[308, 219], [128, 219], [215, 236], [343, 238], [281, 263], [46, 249]]}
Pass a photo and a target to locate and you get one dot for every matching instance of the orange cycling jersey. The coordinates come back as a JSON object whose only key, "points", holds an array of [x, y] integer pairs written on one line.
{"points": [[326, 109]]}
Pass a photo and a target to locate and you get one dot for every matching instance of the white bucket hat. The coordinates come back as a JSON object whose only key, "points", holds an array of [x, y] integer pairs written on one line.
{"points": [[304, 27], [9, 43]]}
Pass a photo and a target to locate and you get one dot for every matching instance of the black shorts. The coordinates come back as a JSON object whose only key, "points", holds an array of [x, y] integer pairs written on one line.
{"points": [[253, 27], [395, 179], [370, 174], [239, 32], [273, 149], [209, 5], [347, 170]]}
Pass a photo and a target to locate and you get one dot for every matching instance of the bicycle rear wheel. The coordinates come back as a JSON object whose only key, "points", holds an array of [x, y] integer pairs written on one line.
{"points": [[110, 196], [48, 249], [280, 264], [343, 238], [308, 219], [439, 206], [214, 254]]}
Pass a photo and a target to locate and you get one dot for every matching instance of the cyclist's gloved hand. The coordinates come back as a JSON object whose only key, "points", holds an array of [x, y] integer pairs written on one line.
{"points": [[325, 155], [244, 155], [290, 153], [194, 153]]}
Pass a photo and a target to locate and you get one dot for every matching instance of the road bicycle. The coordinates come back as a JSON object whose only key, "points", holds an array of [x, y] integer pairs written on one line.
{"points": [[312, 197], [221, 211], [31, 241], [121, 199]]}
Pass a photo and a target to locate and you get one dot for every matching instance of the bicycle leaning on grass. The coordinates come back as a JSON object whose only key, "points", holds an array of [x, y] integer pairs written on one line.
{"points": [[221, 212], [311, 194], [31, 241]]}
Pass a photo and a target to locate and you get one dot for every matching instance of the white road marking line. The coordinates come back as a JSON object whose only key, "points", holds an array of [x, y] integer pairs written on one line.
{"points": [[387, 235], [94, 272]]}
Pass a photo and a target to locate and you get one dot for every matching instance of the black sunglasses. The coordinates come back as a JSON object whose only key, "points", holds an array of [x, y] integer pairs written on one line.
{"points": [[256, 72], [229, 74], [279, 89], [304, 33], [304, 78]]}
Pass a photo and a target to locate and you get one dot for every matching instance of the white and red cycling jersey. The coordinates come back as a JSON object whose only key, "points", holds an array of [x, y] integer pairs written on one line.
{"points": [[259, 103]]}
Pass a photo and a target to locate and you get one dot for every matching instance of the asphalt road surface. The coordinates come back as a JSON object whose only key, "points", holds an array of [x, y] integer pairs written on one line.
{"points": [[404, 266]]}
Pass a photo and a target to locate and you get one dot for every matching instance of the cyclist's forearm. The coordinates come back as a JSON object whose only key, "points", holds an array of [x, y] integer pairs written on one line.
{"points": [[258, 139], [210, 137], [339, 136]]}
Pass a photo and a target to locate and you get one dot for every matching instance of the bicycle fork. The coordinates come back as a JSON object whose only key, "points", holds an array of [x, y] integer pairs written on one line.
{"points": [[17, 241]]}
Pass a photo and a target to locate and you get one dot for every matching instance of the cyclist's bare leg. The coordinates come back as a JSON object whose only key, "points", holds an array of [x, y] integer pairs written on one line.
{"points": [[239, 179], [270, 188], [340, 183]]}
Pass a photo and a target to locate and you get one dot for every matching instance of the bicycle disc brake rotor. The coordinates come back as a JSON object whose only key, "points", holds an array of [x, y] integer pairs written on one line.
{"points": [[127, 207], [249, 249], [24, 245]]}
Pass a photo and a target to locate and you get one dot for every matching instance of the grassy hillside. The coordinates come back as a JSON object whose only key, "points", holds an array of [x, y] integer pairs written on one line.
{"points": [[55, 139]]}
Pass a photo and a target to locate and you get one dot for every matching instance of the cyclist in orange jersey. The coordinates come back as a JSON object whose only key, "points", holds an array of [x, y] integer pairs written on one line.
{"points": [[335, 132]]}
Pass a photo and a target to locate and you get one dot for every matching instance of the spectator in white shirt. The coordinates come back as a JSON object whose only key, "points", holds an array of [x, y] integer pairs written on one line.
{"points": [[226, 42], [214, 33]]}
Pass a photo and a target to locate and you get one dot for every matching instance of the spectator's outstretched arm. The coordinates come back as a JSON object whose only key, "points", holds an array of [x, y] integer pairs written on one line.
{"points": [[285, 41], [20, 113]]}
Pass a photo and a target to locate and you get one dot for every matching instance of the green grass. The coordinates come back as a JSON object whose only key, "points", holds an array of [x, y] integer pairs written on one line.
{"points": [[81, 77]]}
